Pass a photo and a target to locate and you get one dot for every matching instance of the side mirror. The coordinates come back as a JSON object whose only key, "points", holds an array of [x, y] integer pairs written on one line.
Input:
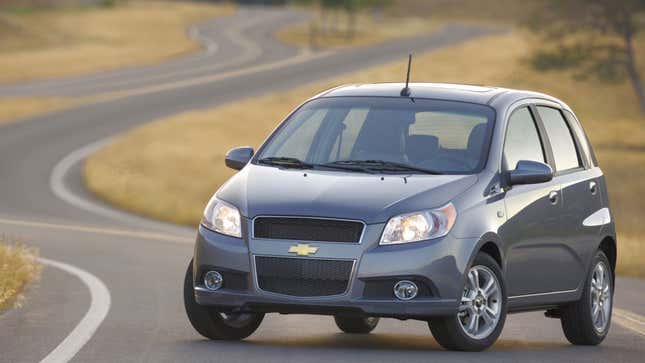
{"points": [[530, 172], [238, 157]]}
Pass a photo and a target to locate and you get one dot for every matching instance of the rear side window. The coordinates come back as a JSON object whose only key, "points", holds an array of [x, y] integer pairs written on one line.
{"points": [[564, 148], [522, 139]]}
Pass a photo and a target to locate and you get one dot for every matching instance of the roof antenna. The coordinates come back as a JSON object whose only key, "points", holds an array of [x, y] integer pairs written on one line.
{"points": [[406, 91]]}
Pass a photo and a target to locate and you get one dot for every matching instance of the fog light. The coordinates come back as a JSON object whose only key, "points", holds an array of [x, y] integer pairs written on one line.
{"points": [[405, 290], [213, 280]]}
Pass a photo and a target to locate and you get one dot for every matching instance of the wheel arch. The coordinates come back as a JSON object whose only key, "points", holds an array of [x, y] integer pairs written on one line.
{"points": [[609, 248], [490, 248], [490, 243]]}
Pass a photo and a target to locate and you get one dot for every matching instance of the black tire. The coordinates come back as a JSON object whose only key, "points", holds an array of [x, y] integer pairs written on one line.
{"points": [[356, 325], [448, 331], [576, 318], [212, 324]]}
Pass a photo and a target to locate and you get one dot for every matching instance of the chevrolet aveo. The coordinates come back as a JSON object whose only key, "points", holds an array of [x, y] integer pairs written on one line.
{"points": [[449, 204]]}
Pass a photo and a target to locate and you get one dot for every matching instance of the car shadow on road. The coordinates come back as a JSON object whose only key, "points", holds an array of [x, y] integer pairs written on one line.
{"points": [[374, 342]]}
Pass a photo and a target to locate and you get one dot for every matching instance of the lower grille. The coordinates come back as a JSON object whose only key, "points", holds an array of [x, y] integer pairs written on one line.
{"points": [[303, 277]]}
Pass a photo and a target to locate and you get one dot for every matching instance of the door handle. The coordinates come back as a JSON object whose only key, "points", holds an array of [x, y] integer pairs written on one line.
{"points": [[593, 187], [554, 197]]}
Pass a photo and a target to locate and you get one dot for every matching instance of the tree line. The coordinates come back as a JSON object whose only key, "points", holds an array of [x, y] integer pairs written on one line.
{"points": [[329, 10]]}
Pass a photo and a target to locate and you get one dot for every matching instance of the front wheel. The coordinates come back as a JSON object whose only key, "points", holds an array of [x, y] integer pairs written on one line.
{"points": [[213, 324], [482, 311], [586, 322]]}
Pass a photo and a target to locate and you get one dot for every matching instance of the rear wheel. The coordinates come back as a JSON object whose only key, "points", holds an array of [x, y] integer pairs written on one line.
{"points": [[482, 311], [586, 322], [213, 324], [356, 325]]}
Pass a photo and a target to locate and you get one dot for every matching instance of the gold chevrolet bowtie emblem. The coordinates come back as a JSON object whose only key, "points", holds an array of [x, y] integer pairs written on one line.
{"points": [[303, 250]]}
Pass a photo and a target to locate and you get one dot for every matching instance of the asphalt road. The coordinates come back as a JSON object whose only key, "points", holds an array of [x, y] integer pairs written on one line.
{"points": [[111, 287], [230, 43]]}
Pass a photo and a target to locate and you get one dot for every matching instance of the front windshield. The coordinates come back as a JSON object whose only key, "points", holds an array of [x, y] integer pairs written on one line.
{"points": [[445, 137]]}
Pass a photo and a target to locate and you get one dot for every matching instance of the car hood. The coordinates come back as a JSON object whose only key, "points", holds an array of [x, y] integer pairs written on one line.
{"points": [[372, 198]]}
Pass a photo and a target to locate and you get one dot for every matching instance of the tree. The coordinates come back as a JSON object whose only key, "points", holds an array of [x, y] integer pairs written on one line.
{"points": [[596, 37], [326, 7], [351, 7], [377, 7]]}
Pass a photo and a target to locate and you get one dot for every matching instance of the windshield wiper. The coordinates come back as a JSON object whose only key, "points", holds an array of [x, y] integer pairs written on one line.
{"points": [[382, 165], [286, 162], [348, 167]]}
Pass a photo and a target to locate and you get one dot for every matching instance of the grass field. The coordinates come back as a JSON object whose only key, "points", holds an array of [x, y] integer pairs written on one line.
{"points": [[168, 169], [18, 267], [52, 43]]}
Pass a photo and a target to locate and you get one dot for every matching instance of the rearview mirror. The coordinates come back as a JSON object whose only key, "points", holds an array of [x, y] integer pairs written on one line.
{"points": [[530, 172], [238, 157]]}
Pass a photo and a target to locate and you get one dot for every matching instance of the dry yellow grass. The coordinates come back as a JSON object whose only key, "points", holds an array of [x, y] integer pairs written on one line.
{"points": [[18, 266], [368, 30], [168, 169], [16, 108], [54, 43], [631, 251]]}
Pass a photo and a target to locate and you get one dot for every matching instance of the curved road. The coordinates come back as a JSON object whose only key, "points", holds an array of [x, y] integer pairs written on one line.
{"points": [[111, 287]]}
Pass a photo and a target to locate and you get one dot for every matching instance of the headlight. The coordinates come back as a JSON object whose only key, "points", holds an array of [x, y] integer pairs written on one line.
{"points": [[419, 226], [223, 218]]}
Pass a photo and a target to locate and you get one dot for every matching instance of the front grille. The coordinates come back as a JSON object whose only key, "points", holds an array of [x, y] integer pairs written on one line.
{"points": [[303, 277], [307, 229]]}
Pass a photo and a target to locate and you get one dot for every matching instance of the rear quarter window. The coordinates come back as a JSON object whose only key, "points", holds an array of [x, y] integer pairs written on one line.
{"points": [[583, 140]]}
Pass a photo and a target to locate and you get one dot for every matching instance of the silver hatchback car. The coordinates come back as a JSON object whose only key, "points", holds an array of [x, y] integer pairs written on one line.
{"points": [[446, 203]]}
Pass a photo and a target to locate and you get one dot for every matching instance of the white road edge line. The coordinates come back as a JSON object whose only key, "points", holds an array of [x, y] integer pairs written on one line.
{"points": [[99, 230], [630, 320], [59, 188], [60, 170], [85, 329]]}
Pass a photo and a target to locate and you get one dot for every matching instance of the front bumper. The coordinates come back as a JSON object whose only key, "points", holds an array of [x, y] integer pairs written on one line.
{"points": [[440, 264]]}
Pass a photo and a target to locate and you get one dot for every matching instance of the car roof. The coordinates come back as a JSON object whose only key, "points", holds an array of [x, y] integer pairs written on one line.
{"points": [[440, 91]]}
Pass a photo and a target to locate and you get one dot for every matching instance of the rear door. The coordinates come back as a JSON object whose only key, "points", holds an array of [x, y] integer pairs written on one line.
{"points": [[580, 181]]}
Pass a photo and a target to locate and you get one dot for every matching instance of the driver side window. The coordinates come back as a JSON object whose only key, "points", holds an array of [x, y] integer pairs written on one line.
{"points": [[522, 139]]}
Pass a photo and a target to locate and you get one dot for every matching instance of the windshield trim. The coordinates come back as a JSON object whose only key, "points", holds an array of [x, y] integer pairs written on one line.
{"points": [[484, 162]]}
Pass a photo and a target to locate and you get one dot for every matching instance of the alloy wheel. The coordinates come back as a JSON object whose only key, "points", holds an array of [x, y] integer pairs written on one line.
{"points": [[481, 303], [600, 297]]}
